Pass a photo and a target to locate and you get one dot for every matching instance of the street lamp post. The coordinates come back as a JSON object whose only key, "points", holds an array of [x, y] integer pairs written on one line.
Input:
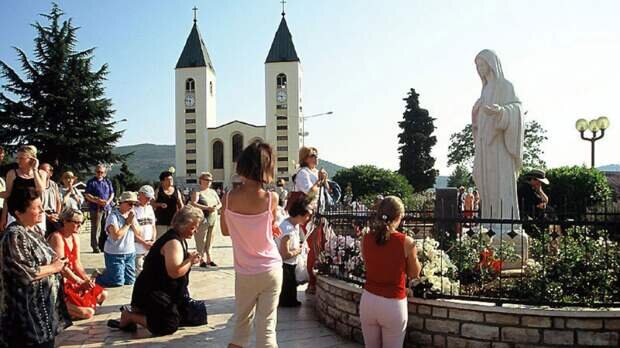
{"points": [[303, 132], [595, 125]]}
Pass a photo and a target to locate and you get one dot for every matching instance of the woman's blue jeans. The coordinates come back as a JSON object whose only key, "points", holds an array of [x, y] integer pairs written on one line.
{"points": [[119, 270]]}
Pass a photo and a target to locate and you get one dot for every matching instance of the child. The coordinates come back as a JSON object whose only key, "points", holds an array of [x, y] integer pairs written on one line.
{"points": [[290, 248], [389, 256], [248, 218]]}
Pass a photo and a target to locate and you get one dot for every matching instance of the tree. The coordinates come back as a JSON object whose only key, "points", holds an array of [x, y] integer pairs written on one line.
{"points": [[60, 106], [416, 142], [461, 149], [460, 177], [368, 181], [127, 180]]}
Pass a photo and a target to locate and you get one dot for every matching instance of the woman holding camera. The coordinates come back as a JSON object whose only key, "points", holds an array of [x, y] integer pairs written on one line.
{"points": [[308, 180], [32, 307]]}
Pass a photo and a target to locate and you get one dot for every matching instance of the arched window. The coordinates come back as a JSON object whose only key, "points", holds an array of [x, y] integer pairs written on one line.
{"points": [[211, 87], [218, 155], [237, 146], [281, 81], [190, 85]]}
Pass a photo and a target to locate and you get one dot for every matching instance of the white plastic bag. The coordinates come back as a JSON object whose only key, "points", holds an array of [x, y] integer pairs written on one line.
{"points": [[301, 269]]}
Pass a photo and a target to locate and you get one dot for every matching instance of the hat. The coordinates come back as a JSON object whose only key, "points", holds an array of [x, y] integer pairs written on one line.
{"points": [[538, 175], [68, 175], [206, 176], [148, 191], [128, 196]]}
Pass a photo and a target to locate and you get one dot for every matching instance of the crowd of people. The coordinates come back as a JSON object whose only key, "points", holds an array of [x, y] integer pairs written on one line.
{"points": [[143, 236]]}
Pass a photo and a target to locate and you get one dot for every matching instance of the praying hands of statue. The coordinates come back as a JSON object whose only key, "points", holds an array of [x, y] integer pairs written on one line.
{"points": [[493, 110]]}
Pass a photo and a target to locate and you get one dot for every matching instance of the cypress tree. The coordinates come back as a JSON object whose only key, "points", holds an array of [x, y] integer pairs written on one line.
{"points": [[59, 104], [415, 144]]}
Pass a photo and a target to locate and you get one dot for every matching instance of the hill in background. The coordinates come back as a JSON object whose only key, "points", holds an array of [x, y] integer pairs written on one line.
{"points": [[148, 160]]}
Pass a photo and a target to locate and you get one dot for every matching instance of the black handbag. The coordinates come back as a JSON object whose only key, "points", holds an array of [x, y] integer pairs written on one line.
{"points": [[193, 312]]}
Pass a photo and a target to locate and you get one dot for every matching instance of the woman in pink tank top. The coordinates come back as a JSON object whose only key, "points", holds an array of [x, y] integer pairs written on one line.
{"points": [[248, 219]]}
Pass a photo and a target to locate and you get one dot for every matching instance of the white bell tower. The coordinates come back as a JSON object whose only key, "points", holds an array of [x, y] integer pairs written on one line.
{"points": [[195, 107], [283, 104]]}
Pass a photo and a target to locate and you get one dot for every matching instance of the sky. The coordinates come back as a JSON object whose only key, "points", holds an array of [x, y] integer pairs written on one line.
{"points": [[359, 60]]}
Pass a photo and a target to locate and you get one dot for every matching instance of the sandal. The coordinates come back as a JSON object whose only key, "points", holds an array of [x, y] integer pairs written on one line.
{"points": [[116, 324]]}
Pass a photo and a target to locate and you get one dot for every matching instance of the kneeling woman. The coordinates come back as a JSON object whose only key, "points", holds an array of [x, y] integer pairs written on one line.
{"points": [[160, 301], [81, 293]]}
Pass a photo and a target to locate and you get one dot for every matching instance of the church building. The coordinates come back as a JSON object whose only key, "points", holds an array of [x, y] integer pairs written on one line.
{"points": [[203, 145]]}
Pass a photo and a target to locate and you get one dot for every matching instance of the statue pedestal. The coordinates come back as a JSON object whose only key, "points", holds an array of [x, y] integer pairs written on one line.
{"points": [[516, 239]]}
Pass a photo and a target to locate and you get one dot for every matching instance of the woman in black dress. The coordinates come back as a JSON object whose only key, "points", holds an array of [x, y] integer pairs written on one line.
{"points": [[160, 301]]}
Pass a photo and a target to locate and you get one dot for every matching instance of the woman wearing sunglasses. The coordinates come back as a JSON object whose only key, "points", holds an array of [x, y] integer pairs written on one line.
{"points": [[81, 293]]}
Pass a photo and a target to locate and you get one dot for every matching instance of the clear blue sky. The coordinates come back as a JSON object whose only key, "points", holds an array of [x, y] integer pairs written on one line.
{"points": [[359, 60]]}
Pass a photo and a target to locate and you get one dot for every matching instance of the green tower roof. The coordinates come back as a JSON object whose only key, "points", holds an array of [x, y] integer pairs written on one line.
{"points": [[195, 52], [282, 48]]}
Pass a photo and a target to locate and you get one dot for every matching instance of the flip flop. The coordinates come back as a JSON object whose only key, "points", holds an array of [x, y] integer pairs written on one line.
{"points": [[116, 324]]}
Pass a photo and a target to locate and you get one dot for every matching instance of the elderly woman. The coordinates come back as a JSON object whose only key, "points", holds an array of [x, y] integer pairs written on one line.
{"points": [[32, 307], [209, 202], [81, 293], [160, 301], [71, 196], [120, 250], [26, 175]]}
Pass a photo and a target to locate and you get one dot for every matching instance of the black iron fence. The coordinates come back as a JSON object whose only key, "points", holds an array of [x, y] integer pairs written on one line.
{"points": [[558, 260]]}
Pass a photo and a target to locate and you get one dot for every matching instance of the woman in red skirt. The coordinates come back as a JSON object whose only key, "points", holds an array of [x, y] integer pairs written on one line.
{"points": [[81, 293]]}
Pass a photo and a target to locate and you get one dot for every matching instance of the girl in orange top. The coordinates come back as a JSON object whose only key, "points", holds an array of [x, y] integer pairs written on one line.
{"points": [[389, 257]]}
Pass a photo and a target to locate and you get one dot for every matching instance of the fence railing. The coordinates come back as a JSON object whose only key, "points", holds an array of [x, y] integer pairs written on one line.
{"points": [[563, 260]]}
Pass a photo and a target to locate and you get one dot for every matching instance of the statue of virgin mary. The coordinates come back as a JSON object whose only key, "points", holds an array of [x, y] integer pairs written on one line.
{"points": [[497, 127]]}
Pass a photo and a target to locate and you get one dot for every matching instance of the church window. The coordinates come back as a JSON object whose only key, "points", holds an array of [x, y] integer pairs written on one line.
{"points": [[190, 121], [190, 131], [211, 87], [281, 81], [191, 171], [218, 155], [281, 127], [283, 159], [282, 169], [237, 146], [282, 137], [190, 141], [190, 151], [281, 117], [191, 181], [190, 161], [282, 148], [190, 85]]}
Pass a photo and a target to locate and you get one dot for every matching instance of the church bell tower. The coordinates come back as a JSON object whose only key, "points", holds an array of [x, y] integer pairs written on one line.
{"points": [[195, 107], [283, 122]]}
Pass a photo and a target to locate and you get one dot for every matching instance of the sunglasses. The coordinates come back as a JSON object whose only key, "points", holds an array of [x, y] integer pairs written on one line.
{"points": [[100, 172]]}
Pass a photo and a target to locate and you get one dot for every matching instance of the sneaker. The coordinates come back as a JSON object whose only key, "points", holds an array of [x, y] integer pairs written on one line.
{"points": [[96, 251], [212, 264], [203, 264]]}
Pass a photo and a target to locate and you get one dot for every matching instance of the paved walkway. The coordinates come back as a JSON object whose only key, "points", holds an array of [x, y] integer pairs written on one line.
{"points": [[297, 327]]}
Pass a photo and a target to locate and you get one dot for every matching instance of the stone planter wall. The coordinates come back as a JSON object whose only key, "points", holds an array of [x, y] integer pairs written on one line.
{"points": [[449, 323]]}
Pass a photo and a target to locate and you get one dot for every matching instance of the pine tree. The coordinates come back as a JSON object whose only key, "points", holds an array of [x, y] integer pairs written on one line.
{"points": [[416, 142], [60, 104]]}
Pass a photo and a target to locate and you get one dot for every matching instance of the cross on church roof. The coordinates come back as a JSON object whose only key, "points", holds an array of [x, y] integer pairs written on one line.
{"points": [[283, 2], [196, 9]]}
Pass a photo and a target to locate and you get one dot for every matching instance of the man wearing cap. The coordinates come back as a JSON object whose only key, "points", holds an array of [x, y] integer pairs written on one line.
{"points": [[146, 219], [533, 200], [120, 249]]}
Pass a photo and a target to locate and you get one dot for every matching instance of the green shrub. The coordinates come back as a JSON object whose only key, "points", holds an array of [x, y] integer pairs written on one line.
{"points": [[368, 181]]}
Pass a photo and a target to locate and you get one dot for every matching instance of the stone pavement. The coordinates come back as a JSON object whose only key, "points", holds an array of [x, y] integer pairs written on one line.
{"points": [[297, 327]]}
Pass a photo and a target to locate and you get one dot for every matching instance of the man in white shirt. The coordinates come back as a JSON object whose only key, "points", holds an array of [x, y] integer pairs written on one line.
{"points": [[146, 219]]}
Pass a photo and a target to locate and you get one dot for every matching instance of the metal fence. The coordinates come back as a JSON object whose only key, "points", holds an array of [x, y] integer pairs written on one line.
{"points": [[559, 260]]}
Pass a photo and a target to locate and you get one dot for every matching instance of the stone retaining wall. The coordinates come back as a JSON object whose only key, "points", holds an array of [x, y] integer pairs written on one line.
{"points": [[450, 323]]}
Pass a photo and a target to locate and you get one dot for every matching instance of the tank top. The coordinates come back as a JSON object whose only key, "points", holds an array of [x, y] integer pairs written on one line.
{"points": [[154, 276], [254, 249], [385, 266], [164, 215], [20, 183]]}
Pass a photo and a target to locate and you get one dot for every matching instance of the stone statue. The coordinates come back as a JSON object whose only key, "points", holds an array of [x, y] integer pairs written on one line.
{"points": [[497, 127]]}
